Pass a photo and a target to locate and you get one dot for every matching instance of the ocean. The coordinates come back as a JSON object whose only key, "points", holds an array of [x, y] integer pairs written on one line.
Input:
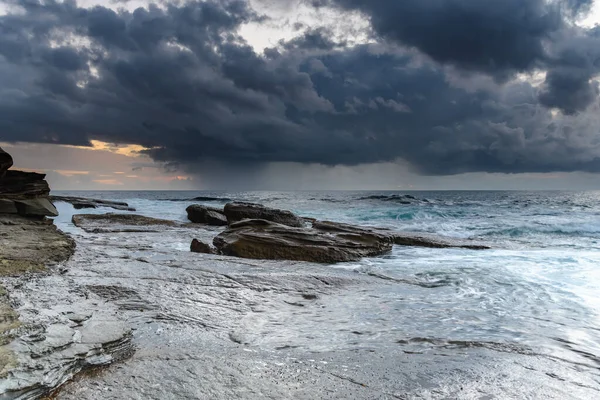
{"points": [[536, 292]]}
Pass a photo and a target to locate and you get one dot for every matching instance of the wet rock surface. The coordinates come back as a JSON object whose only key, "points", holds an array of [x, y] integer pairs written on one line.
{"points": [[420, 240], [261, 239], [208, 326], [239, 211], [403, 238], [201, 247], [325, 242], [82, 203], [200, 214], [119, 223]]}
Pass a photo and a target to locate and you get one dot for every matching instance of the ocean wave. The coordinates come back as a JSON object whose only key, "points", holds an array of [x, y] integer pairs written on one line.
{"points": [[202, 198], [396, 198], [573, 230]]}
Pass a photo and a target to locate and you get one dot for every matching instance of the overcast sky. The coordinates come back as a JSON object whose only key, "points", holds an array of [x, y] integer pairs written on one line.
{"points": [[303, 94]]}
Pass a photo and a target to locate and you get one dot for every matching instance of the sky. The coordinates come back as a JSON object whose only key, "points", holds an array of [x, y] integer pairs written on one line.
{"points": [[302, 94]]}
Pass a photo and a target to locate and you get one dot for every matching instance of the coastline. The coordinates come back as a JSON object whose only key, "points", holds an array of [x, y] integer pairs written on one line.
{"points": [[190, 325]]}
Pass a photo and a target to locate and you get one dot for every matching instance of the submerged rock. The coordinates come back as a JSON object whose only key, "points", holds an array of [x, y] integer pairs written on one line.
{"points": [[419, 240], [262, 239], [239, 211], [201, 247], [404, 238], [200, 214], [82, 202]]}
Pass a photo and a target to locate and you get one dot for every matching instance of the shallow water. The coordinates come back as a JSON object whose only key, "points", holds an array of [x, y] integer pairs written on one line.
{"points": [[536, 292]]}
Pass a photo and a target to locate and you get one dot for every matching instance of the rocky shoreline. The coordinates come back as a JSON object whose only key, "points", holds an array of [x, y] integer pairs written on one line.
{"points": [[257, 315]]}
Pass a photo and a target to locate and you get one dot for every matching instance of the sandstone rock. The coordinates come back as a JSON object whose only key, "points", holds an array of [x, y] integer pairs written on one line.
{"points": [[98, 223], [8, 207], [262, 239], [404, 238], [6, 162], [420, 240], [29, 244], [200, 247], [239, 211], [206, 215], [82, 202], [23, 185], [40, 207]]}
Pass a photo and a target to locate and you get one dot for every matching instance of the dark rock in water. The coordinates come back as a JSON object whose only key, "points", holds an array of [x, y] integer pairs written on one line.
{"points": [[200, 247], [206, 215], [98, 223], [419, 240], [6, 162], [404, 238], [262, 239], [82, 202], [239, 211]]}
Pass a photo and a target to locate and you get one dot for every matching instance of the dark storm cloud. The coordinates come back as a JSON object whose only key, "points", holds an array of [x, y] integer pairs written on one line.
{"points": [[179, 80], [497, 37]]}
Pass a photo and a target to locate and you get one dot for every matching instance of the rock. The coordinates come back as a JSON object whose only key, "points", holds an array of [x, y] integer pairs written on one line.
{"points": [[420, 240], [40, 207], [206, 215], [82, 202], [99, 223], [262, 239], [8, 207], [239, 211], [6, 162], [23, 185], [30, 244], [404, 238], [200, 247]]}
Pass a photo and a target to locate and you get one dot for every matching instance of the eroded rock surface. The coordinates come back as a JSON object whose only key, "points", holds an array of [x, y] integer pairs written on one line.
{"points": [[82, 202], [261, 239], [119, 223], [30, 244], [200, 214], [239, 211]]}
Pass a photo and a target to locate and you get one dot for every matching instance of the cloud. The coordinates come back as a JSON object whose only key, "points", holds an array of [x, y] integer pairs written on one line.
{"points": [[447, 87]]}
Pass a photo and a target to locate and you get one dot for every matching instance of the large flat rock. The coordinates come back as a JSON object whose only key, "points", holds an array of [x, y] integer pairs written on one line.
{"points": [[261, 239], [83, 202], [95, 223]]}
